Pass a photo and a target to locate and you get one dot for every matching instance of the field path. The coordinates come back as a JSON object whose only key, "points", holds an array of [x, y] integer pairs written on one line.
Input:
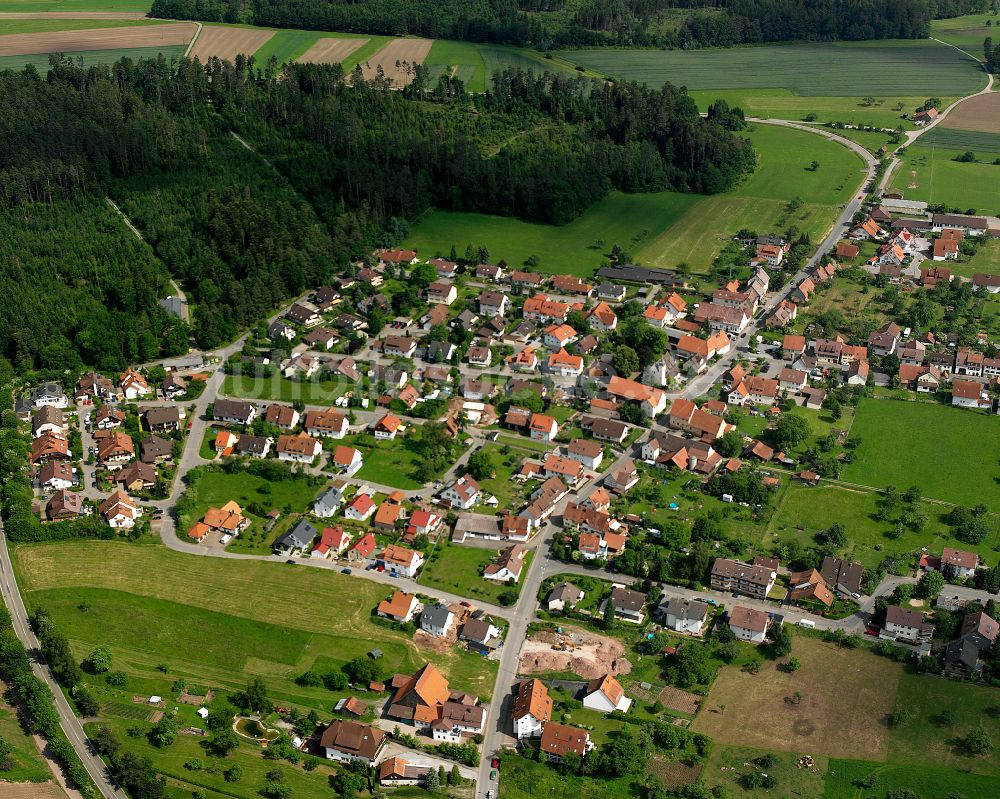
{"points": [[97, 39], [133, 15]]}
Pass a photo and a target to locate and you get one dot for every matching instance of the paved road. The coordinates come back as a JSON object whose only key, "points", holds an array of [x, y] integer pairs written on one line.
{"points": [[67, 719]]}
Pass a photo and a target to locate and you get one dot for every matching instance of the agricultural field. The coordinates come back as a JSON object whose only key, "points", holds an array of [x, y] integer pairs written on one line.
{"points": [[985, 145], [331, 50], [980, 113], [396, 60], [844, 780], [463, 60], [217, 622], [101, 38], [666, 229], [821, 722], [226, 42], [906, 68], [932, 174], [82, 6], [92, 57], [949, 452], [966, 32], [48, 25]]}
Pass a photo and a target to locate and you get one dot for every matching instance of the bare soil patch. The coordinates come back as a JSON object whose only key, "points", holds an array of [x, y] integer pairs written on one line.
{"points": [[97, 39], [672, 773], [846, 696], [227, 43], [32, 790], [331, 51], [681, 701], [981, 112], [583, 653], [397, 59]]}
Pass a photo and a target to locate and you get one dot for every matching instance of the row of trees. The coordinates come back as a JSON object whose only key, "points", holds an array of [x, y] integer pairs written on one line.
{"points": [[594, 22]]}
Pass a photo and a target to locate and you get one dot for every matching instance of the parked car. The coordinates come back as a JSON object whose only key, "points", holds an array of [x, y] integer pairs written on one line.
{"points": [[495, 763], [345, 570]]}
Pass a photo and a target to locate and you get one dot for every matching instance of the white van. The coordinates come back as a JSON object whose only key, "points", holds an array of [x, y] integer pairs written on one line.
{"points": [[806, 623]]}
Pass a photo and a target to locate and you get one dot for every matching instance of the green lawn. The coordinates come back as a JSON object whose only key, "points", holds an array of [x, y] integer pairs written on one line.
{"points": [[528, 779], [311, 392], [28, 764], [844, 778], [92, 57], [511, 495], [986, 260], [802, 511], [727, 764], [760, 203], [459, 569], [932, 174], [393, 463], [951, 453], [820, 69], [215, 489], [577, 248], [217, 621], [665, 229]]}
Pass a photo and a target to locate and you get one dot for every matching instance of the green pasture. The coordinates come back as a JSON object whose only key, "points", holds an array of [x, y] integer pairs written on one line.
{"points": [[12, 26], [932, 174], [951, 453], [979, 141], [12, 6], [967, 32], [822, 69], [40, 61]]}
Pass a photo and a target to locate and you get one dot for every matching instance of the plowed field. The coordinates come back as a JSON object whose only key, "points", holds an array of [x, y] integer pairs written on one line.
{"points": [[97, 39], [397, 59], [227, 43], [331, 51]]}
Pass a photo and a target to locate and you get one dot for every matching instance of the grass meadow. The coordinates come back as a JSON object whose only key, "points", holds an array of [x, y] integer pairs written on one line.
{"points": [[979, 141], [17, 26], [12, 6], [820, 69], [40, 61], [458, 568], [932, 174], [28, 765], [217, 622], [967, 32], [950, 453], [667, 228]]}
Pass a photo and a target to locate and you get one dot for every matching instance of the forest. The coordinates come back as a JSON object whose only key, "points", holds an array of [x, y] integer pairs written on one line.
{"points": [[656, 23], [333, 168]]}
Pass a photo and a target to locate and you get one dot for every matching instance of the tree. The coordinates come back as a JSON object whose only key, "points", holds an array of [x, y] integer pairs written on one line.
{"points": [[813, 166], [6, 760], [609, 622], [625, 360], [254, 697], [791, 431], [977, 742], [432, 782], [690, 666], [781, 641], [793, 664], [480, 464], [836, 535], [731, 444], [930, 585], [362, 670], [163, 733], [454, 776], [223, 741]]}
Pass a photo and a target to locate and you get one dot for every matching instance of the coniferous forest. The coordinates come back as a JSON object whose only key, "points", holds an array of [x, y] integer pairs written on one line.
{"points": [[335, 167], [702, 23]]}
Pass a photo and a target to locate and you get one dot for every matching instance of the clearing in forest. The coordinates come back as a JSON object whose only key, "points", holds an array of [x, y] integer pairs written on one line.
{"points": [[97, 39], [330, 50], [227, 43], [397, 60]]}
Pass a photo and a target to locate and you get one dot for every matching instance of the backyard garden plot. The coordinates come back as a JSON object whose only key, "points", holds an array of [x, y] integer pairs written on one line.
{"points": [[951, 453], [820, 69], [397, 60], [228, 42], [70, 41], [844, 697]]}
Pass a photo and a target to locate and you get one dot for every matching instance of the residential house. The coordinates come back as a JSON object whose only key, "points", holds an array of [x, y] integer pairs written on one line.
{"points": [[810, 585], [301, 448], [489, 272], [867, 231], [64, 504], [115, 450], [627, 605], [493, 304], [605, 695], [612, 292], [326, 424], [589, 453], [532, 708], [154, 449], [162, 420], [361, 507], [558, 336], [233, 411], [605, 429], [622, 478], [742, 578], [479, 356], [298, 539], [559, 740], [931, 276], [749, 624], [977, 636], [508, 565], [321, 338], [48, 419], [348, 741], [419, 699], [328, 503], [925, 117], [907, 625], [252, 446], [108, 418], [602, 317], [481, 635], [463, 493], [459, 720], [279, 329], [120, 511], [422, 522], [134, 385], [541, 308], [332, 542], [969, 394], [564, 595], [652, 401], [402, 561], [398, 772], [284, 417], [792, 379], [441, 292], [723, 317], [707, 348], [305, 314], [543, 427], [565, 365], [400, 607], [347, 460], [957, 564], [439, 351], [387, 515], [661, 373], [883, 341], [400, 346], [969, 363], [136, 477], [803, 291], [685, 615], [56, 475], [436, 620], [385, 429], [843, 576], [755, 390], [49, 394]]}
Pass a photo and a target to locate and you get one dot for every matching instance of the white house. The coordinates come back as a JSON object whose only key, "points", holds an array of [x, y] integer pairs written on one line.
{"points": [[464, 493], [301, 448], [532, 709], [605, 694], [361, 508], [910, 625], [685, 615], [399, 560], [436, 620], [329, 502], [543, 428], [749, 624]]}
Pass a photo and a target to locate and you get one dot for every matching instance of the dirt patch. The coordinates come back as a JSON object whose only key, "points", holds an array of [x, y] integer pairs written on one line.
{"points": [[432, 643], [681, 701], [32, 790], [97, 39], [197, 701], [977, 113], [672, 773], [397, 59], [227, 43], [581, 652], [331, 51], [844, 697]]}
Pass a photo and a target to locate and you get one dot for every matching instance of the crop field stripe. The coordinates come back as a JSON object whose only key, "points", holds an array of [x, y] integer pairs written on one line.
{"points": [[401, 52], [91, 57], [20, 26], [97, 39], [331, 50], [227, 42], [955, 139], [286, 45]]}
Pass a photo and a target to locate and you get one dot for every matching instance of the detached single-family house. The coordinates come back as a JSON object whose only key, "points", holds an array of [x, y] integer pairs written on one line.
{"points": [[532, 708], [543, 427], [685, 615], [348, 741], [298, 539], [564, 595], [385, 429], [361, 508], [401, 607], [508, 565], [399, 560], [605, 694], [908, 625], [559, 740], [436, 620], [332, 542], [441, 292], [120, 511], [749, 624], [627, 604], [233, 411], [464, 493]]}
